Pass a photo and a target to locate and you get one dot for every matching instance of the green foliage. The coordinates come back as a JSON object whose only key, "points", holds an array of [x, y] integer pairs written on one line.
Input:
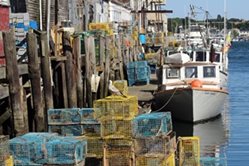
{"points": [[240, 24]]}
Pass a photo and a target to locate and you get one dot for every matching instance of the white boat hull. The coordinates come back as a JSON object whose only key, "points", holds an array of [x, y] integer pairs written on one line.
{"points": [[190, 104]]}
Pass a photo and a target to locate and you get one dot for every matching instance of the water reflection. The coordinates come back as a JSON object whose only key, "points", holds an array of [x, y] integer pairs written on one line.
{"points": [[213, 138]]}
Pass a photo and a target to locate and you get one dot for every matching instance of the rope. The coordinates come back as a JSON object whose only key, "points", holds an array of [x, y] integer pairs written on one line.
{"points": [[166, 103]]}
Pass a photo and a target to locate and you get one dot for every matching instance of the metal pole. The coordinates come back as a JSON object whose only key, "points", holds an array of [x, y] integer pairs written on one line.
{"points": [[48, 18], [40, 10], [225, 20]]}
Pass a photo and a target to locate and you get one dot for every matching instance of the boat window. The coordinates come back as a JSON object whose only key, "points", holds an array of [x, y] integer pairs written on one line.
{"points": [[173, 72], [217, 57], [195, 29], [201, 56], [209, 71], [172, 52], [191, 72], [186, 52]]}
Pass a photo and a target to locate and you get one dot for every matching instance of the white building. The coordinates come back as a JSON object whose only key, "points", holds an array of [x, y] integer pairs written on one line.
{"points": [[152, 21]]}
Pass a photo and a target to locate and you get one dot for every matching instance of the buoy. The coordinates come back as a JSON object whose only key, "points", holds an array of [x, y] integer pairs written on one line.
{"points": [[196, 84]]}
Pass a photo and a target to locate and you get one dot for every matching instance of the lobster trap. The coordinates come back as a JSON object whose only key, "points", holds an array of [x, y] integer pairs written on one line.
{"points": [[189, 151], [30, 148], [151, 160], [66, 130], [151, 125], [116, 107], [164, 145], [116, 129], [95, 146], [66, 150], [92, 129], [67, 116], [119, 152]]}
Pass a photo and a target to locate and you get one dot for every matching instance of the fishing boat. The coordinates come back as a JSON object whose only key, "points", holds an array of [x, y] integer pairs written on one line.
{"points": [[191, 90], [193, 80]]}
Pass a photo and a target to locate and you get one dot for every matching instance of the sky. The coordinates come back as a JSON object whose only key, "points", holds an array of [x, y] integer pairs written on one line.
{"points": [[235, 8]]}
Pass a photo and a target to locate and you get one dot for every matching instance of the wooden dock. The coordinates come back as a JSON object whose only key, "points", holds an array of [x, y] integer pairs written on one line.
{"points": [[58, 74]]}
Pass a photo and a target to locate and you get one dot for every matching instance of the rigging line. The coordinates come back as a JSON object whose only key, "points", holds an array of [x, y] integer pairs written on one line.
{"points": [[166, 103]]}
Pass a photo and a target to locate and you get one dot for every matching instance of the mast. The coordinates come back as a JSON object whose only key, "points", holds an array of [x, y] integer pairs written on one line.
{"points": [[225, 20], [225, 33]]}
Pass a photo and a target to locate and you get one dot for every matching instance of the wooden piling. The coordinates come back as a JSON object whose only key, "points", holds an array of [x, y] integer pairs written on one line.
{"points": [[70, 71], [64, 85], [25, 110], [101, 85], [14, 83], [46, 75], [102, 51], [90, 63], [107, 66], [56, 75], [79, 80], [102, 62], [35, 78], [120, 59], [88, 72], [93, 67]]}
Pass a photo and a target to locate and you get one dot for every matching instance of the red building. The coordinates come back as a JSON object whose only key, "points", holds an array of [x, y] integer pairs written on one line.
{"points": [[4, 25]]}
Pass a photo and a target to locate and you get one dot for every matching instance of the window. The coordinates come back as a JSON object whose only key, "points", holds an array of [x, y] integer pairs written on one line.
{"points": [[172, 52], [209, 71], [217, 57], [201, 56], [173, 72], [191, 72]]}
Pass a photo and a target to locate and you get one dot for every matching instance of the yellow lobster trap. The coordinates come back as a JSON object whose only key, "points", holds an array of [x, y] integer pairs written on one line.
{"points": [[189, 151]]}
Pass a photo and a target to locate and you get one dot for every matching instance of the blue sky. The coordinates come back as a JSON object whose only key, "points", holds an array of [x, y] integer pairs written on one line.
{"points": [[235, 8]]}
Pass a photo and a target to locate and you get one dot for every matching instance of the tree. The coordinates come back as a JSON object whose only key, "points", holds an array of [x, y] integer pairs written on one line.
{"points": [[219, 18]]}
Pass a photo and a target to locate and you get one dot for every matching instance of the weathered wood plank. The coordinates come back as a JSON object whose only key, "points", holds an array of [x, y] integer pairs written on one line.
{"points": [[25, 109], [64, 85], [70, 71], [58, 58], [4, 92], [101, 85], [35, 77], [107, 67], [46, 75], [88, 71], [22, 68], [93, 70], [15, 88], [120, 59], [102, 51], [5, 116], [79, 80]]}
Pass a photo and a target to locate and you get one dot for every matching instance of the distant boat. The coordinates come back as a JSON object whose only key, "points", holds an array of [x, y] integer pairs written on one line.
{"points": [[191, 90]]}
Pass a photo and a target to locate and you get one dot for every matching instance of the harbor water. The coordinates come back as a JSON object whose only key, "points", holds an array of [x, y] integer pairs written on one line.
{"points": [[225, 140], [238, 142]]}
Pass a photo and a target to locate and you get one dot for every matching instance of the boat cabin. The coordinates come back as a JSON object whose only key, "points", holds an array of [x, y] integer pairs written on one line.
{"points": [[199, 55], [182, 75]]}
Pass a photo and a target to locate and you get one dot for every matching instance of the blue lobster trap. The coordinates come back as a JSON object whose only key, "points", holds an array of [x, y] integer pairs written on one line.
{"points": [[66, 150], [68, 116], [152, 125]]}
